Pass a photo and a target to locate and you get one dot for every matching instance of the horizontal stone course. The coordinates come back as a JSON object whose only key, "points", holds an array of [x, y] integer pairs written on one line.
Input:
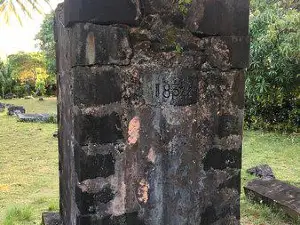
{"points": [[218, 17], [88, 202], [98, 130], [93, 166], [96, 86], [125, 219], [101, 12], [102, 45]]}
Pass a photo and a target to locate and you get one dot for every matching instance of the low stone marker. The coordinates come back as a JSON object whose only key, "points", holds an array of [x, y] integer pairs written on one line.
{"points": [[55, 134], [2, 107], [51, 218], [275, 193], [9, 96], [33, 117], [262, 171], [15, 110]]}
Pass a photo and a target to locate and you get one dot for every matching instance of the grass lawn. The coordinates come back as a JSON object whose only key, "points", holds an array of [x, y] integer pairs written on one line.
{"points": [[28, 165], [29, 168]]}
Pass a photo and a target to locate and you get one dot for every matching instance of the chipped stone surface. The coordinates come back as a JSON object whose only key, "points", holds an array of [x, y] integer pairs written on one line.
{"points": [[151, 114], [276, 193]]}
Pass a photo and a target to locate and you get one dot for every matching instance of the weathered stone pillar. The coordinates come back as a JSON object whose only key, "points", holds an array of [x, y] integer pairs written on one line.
{"points": [[151, 97]]}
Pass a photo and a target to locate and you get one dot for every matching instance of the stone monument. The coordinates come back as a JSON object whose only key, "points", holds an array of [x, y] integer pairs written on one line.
{"points": [[151, 98]]}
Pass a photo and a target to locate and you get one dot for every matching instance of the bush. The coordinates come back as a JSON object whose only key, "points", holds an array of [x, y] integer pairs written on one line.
{"points": [[272, 80]]}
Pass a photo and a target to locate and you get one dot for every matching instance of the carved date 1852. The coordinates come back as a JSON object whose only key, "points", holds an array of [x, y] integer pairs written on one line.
{"points": [[180, 91]]}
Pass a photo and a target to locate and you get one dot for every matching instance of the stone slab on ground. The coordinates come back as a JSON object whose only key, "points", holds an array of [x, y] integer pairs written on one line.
{"points": [[33, 117], [275, 193], [2, 107], [51, 218], [262, 171], [15, 110]]}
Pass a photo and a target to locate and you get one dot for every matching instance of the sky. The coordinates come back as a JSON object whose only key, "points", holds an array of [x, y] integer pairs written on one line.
{"points": [[15, 37]]}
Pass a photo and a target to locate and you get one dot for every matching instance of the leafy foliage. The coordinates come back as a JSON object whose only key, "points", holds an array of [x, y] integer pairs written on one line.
{"points": [[273, 78], [27, 66], [46, 42], [20, 8], [6, 81]]}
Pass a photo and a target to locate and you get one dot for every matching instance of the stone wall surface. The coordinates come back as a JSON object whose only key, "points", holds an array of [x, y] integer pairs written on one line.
{"points": [[151, 98]]}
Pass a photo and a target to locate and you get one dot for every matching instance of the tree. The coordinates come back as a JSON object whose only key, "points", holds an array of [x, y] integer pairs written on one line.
{"points": [[273, 78], [46, 42], [19, 8], [6, 80], [27, 68]]}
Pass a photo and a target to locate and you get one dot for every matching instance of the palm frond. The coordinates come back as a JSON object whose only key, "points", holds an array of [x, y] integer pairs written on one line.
{"points": [[19, 8]]}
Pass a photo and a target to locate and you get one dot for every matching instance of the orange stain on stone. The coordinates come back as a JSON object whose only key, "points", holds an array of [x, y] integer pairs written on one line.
{"points": [[134, 130], [91, 48], [143, 191]]}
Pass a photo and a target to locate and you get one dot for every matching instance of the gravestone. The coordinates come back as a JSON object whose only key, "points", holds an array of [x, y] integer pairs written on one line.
{"points": [[15, 110], [2, 107], [151, 99], [275, 193], [262, 171], [34, 117]]}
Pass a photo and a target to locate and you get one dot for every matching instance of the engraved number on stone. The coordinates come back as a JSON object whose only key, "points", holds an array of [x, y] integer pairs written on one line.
{"points": [[166, 91], [174, 90]]}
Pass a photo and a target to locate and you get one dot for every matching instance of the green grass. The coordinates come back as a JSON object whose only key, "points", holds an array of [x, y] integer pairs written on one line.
{"points": [[29, 168], [28, 165], [282, 153], [34, 105], [16, 215]]}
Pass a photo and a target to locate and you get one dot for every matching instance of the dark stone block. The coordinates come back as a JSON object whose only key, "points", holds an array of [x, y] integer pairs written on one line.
{"points": [[238, 95], [98, 130], [96, 86], [229, 52], [239, 50], [157, 6], [87, 202], [229, 125], [275, 193], [126, 219], [222, 159], [15, 110], [218, 17], [101, 12], [102, 45], [208, 216], [262, 171], [51, 218], [93, 166], [233, 181]]}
